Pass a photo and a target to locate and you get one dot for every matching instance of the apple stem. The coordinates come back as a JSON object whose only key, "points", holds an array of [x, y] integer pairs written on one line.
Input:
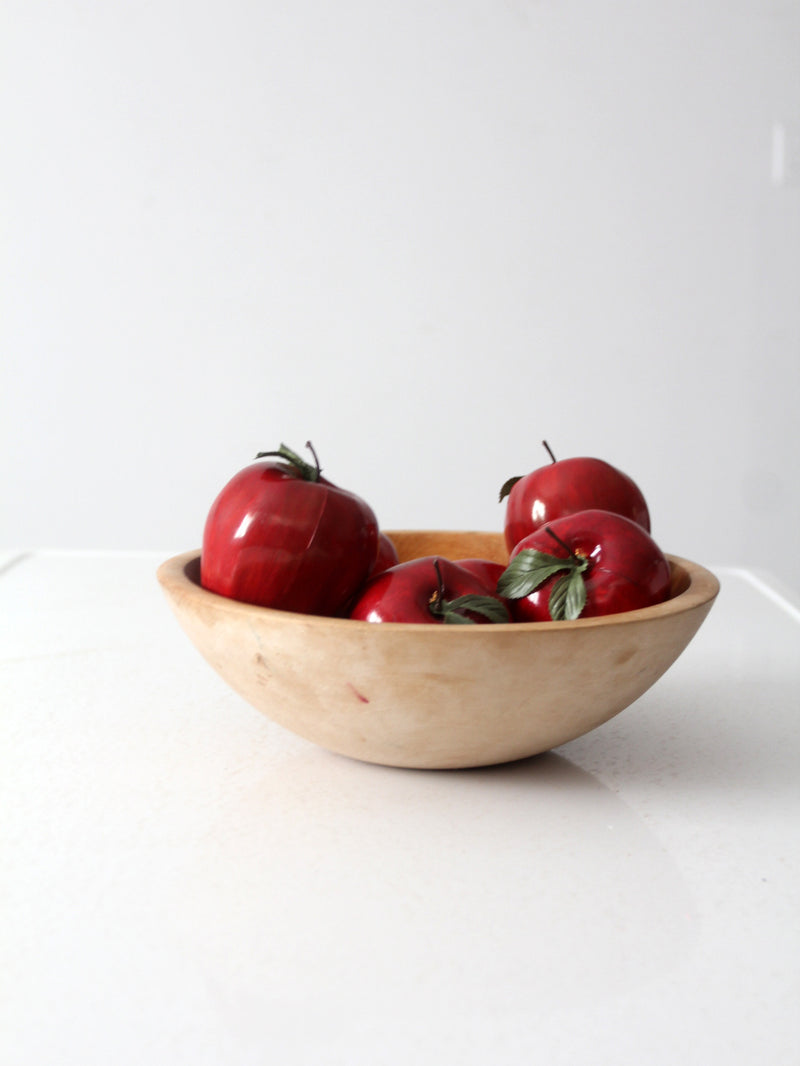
{"points": [[438, 597], [310, 447], [549, 451], [459, 610], [558, 540]]}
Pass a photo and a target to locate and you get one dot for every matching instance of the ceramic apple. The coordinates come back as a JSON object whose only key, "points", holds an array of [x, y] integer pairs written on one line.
{"points": [[566, 486], [430, 590], [583, 565], [281, 535]]}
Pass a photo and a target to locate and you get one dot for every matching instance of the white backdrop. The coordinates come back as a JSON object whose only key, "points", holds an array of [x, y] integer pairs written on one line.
{"points": [[424, 235]]}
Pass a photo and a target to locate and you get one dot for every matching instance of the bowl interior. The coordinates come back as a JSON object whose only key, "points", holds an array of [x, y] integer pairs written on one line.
{"points": [[690, 585]]}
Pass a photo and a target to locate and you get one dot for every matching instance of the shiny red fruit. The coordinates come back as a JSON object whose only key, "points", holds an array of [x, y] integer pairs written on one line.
{"points": [[430, 590], [487, 571], [387, 555], [281, 535], [567, 486], [584, 565]]}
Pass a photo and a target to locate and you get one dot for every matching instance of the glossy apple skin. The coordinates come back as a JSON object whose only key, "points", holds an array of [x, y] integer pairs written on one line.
{"points": [[627, 570], [387, 555], [567, 487], [487, 571], [274, 539], [403, 593]]}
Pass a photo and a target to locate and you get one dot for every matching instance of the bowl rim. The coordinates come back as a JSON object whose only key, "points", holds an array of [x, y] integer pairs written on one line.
{"points": [[702, 589]]}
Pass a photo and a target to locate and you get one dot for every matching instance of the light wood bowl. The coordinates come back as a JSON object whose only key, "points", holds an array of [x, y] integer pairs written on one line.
{"points": [[435, 696]]}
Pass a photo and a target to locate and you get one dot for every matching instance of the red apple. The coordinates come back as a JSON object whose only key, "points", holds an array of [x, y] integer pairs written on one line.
{"points": [[566, 486], [583, 565], [429, 589], [486, 570], [387, 555]]}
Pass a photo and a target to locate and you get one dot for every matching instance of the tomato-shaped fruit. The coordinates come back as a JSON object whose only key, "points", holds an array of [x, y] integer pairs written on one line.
{"points": [[583, 565], [281, 535]]}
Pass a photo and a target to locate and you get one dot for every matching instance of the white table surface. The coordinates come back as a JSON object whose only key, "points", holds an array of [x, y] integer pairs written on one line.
{"points": [[184, 882]]}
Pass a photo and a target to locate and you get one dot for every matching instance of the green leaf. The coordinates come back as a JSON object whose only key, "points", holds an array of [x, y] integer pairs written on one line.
{"points": [[306, 471], [486, 606], [508, 486], [567, 597], [528, 570]]}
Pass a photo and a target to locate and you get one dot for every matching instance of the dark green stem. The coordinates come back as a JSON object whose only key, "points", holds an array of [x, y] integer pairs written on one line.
{"points": [[311, 448], [306, 471]]}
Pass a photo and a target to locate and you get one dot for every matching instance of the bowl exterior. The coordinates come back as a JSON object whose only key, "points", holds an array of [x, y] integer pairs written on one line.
{"points": [[432, 696]]}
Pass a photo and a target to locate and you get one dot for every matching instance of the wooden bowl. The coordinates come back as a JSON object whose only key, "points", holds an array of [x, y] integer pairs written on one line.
{"points": [[434, 696]]}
